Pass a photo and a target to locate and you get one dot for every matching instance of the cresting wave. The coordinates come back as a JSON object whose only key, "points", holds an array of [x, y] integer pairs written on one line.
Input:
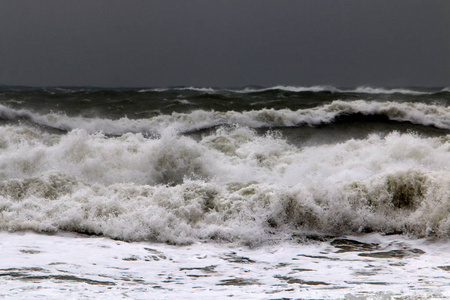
{"points": [[189, 88], [416, 113], [325, 88], [232, 185], [300, 89]]}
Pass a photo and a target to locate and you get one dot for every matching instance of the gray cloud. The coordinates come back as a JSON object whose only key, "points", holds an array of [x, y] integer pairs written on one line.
{"points": [[224, 43]]}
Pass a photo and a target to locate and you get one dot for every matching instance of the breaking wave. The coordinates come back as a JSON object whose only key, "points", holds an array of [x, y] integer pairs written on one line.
{"points": [[232, 185], [416, 113]]}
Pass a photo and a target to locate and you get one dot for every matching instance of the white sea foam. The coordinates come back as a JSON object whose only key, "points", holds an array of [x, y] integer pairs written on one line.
{"points": [[191, 88], [188, 88], [232, 185], [417, 113], [184, 101], [371, 90], [15, 101], [55, 266]]}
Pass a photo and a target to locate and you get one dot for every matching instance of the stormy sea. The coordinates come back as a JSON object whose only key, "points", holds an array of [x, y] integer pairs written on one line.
{"points": [[248, 193]]}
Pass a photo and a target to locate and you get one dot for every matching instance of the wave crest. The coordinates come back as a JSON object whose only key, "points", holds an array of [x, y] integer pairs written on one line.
{"points": [[416, 113]]}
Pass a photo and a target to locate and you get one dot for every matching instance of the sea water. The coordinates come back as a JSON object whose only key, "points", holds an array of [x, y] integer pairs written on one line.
{"points": [[252, 193]]}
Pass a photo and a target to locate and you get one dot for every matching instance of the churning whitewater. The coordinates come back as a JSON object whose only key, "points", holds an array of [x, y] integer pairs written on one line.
{"points": [[299, 162]]}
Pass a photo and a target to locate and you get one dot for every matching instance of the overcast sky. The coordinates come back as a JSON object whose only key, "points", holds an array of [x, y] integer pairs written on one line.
{"points": [[224, 43]]}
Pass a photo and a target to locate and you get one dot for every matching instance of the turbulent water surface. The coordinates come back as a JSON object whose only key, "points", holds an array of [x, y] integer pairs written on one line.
{"points": [[305, 179]]}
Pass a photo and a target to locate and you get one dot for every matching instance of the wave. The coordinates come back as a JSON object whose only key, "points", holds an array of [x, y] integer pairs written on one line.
{"points": [[370, 90], [188, 88], [332, 89], [302, 89], [232, 185], [295, 89], [314, 89], [245, 90], [416, 113]]}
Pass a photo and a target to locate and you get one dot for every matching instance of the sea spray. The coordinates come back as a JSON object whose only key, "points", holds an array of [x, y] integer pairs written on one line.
{"points": [[232, 185]]}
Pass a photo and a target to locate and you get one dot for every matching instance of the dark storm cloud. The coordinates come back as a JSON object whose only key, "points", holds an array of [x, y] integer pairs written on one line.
{"points": [[224, 43]]}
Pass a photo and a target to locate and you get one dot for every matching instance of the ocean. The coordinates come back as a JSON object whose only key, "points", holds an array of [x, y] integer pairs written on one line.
{"points": [[248, 193]]}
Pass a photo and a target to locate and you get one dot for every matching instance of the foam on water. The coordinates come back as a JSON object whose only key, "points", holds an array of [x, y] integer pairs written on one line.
{"points": [[232, 185], [371, 90], [354, 267], [188, 88]]}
